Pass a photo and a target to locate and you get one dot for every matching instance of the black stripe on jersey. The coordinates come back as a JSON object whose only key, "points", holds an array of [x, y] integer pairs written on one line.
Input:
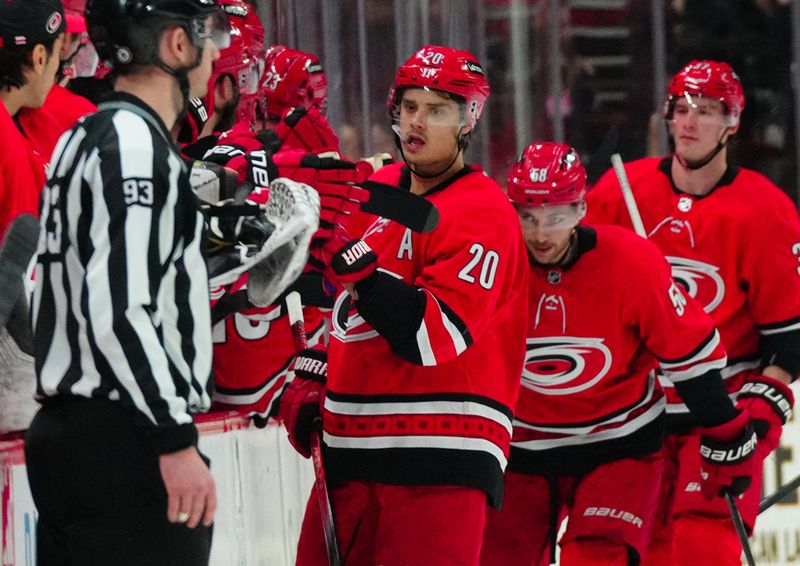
{"points": [[456, 321], [118, 275], [783, 350], [707, 399], [417, 466], [421, 399], [691, 354], [776, 326], [579, 459], [395, 310], [598, 420]]}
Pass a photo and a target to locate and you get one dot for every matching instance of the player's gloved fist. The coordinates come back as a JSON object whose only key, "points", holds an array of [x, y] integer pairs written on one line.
{"points": [[354, 262], [301, 403], [727, 457], [336, 180], [768, 402], [308, 130], [212, 182]]}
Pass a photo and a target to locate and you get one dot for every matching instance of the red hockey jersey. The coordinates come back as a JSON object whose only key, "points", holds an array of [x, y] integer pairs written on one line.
{"points": [[598, 329], [735, 250], [252, 350], [22, 175], [447, 419], [67, 107]]}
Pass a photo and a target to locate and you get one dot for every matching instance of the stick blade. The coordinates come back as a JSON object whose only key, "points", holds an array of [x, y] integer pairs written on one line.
{"points": [[19, 245], [408, 209]]}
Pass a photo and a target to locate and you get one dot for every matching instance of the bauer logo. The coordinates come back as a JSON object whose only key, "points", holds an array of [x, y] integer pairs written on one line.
{"points": [[474, 67], [564, 365], [612, 513], [701, 281]]}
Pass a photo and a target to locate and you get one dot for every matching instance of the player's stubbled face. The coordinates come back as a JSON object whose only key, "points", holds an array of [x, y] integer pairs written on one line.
{"points": [[697, 127], [429, 123], [547, 230]]}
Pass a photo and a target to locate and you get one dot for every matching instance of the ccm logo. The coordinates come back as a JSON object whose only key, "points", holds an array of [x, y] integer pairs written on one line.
{"points": [[613, 514], [311, 365], [359, 250], [732, 456]]}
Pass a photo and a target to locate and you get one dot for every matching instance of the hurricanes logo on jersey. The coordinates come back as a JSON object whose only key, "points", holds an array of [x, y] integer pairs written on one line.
{"points": [[347, 324], [564, 365], [702, 281]]}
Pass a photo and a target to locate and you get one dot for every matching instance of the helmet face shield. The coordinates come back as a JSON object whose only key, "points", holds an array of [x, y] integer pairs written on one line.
{"points": [[213, 26], [550, 219], [84, 62], [446, 70], [705, 110], [443, 110]]}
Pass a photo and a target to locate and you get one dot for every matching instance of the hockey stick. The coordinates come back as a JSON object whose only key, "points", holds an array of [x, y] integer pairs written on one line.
{"points": [[741, 532], [406, 208], [18, 248], [295, 309], [627, 194], [779, 494]]}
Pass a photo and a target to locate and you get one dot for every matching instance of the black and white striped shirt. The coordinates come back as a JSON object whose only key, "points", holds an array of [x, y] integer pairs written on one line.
{"points": [[121, 306]]}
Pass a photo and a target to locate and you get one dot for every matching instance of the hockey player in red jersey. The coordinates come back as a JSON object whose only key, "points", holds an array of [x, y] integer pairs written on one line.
{"points": [[31, 33], [588, 425], [79, 59], [426, 346], [733, 240]]}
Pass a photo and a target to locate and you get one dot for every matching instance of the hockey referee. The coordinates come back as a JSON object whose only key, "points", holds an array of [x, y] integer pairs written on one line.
{"points": [[121, 307]]}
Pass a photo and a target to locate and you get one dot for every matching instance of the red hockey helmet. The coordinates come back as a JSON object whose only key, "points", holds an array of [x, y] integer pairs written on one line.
{"points": [[445, 69], [707, 79], [547, 174], [74, 11], [241, 58], [292, 79]]}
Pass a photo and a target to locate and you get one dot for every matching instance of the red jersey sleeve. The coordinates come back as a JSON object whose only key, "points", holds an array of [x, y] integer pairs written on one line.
{"points": [[673, 326], [470, 267]]}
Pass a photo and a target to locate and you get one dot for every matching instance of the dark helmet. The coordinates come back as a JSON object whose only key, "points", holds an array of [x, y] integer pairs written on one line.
{"points": [[126, 32]]}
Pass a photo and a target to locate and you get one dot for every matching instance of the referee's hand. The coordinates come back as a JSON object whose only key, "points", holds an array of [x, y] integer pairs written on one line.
{"points": [[191, 493]]}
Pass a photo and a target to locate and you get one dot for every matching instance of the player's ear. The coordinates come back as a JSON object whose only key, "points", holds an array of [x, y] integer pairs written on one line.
{"points": [[38, 58]]}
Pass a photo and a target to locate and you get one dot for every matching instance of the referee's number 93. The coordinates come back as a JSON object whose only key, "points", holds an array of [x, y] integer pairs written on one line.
{"points": [[138, 191]]}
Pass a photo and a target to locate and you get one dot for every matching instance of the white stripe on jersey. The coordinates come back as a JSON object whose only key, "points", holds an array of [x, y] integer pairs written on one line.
{"points": [[696, 370], [455, 334], [704, 353], [621, 431], [457, 408], [727, 372], [580, 430], [424, 345], [682, 409], [789, 328], [400, 442]]}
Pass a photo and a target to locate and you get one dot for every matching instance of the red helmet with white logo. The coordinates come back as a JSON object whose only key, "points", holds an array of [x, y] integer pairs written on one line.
{"points": [[707, 79], [241, 59], [547, 174], [292, 79], [445, 69]]}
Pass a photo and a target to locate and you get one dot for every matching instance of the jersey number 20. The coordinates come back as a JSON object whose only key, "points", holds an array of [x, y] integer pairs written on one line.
{"points": [[487, 260]]}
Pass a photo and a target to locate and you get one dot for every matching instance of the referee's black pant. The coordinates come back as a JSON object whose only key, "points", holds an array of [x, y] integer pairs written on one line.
{"points": [[98, 489]]}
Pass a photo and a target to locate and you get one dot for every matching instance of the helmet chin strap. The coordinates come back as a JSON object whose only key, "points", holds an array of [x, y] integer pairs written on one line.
{"points": [[181, 74], [695, 164], [459, 148]]}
